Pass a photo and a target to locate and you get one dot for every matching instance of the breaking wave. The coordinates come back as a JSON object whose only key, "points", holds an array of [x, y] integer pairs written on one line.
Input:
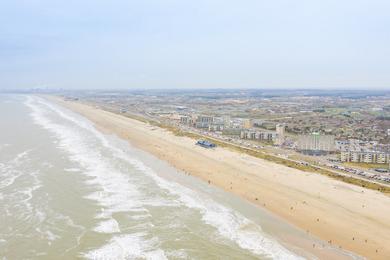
{"points": [[117, 192]]}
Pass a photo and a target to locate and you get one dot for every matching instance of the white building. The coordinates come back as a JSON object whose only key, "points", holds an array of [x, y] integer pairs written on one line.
{"points": [[365, 157], [227, 121], [247, 124], [315, 142], [203, 121], [185, 120], [280, 132], [216, 127], [258, 135]]}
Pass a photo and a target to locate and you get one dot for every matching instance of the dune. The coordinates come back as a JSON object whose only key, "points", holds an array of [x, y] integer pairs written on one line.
{"points": [[341, 214]]}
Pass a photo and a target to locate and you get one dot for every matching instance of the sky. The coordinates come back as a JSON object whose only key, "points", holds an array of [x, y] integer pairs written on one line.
{"points": [[148, 44]]}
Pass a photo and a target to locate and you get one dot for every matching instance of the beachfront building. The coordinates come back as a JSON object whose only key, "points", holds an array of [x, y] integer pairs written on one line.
{"points": [[345, 156], [280, 132], [227, 121], [365, 157], [232, 131], [316, 143], [203, 121], [247, 124], [185, 120], [216, 127], [267, 136], [342, 145], [358, 145]]}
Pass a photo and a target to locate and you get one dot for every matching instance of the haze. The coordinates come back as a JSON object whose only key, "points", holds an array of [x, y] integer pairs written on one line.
{"points": [[195, 44]]}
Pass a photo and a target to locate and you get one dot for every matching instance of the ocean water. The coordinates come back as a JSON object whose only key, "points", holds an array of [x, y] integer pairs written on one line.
{"points": [[67, 191]]}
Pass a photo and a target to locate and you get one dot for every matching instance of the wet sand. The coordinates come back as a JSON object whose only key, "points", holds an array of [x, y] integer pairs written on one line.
{"points": [[341, 214]]}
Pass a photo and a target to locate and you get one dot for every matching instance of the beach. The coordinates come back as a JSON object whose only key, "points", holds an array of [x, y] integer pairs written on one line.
{"points": [[343, 215], [70, 191]]}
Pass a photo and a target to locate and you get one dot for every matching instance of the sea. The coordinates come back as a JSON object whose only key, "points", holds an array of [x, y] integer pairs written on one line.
{"points": [[68, 191]]}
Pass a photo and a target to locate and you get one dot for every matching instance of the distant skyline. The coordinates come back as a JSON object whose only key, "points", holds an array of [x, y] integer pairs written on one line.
{"points": [[172, 44]]}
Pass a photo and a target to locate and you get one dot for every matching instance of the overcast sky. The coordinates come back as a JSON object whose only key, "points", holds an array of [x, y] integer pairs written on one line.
{"points": [[195, 44]]}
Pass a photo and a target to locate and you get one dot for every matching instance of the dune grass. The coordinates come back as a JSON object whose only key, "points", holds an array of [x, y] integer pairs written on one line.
{"points": [[262, 155]]}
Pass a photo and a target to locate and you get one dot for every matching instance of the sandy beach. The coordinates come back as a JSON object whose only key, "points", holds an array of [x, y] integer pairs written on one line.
{"points": [[344, 215]]}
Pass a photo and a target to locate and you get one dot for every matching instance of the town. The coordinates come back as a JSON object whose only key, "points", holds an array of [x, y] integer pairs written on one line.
{"points": [[347, 132]]}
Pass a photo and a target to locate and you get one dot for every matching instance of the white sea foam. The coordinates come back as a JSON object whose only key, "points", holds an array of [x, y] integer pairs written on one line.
{"points": [[178, 254], [19, 196], [138, 217], [50, 236], [108, 226], [116, 192], [132, 246], [230, 224], [72, 170], [27, 194], [21, 155], [8, 180], [18, 202], [118, 195], [9, 170]]}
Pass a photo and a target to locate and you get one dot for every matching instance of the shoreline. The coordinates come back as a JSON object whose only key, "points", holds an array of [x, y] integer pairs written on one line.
{"points": [[274, 227], [337, 212]]}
